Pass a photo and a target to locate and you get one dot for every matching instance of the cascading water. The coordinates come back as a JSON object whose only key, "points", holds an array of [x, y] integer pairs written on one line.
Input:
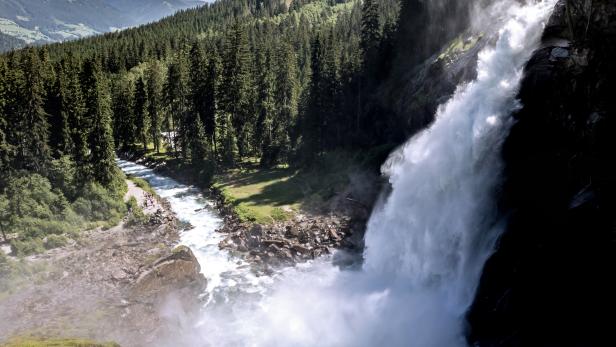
{"points": [[425, 246]]}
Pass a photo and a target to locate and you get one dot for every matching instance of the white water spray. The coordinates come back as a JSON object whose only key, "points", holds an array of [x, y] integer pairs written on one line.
{"points": [[425, 246]]}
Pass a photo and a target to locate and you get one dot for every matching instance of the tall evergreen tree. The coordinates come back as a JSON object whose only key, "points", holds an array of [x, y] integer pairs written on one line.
{"points": [[176, 96], [33, 129], [237, 92], [73, 108], [198, 85], [266, 106], [124, 129], [209, 114], [4, 145], [154, 92], [370, 27], [140, 113], [287, 98], [60, 137], [98, 109]]}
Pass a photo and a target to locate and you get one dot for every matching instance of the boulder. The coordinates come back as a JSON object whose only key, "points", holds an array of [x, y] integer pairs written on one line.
{"points": [[177, 271]]}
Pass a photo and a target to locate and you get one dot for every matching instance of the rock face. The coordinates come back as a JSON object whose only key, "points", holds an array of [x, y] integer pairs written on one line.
{"points": [[548, 284], [177, 271]]}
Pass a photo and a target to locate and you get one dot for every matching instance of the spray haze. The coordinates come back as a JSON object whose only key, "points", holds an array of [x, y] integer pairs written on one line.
{"points": [[426, 244]]}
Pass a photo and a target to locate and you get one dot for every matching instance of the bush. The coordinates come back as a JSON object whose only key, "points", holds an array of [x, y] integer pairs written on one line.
{"points": [[55, 241], [98, 204], [136, 215], [27, 247], [143, 184]]}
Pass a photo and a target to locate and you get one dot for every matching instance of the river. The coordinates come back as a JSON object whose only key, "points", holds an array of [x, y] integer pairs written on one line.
{"points": [[425, 245]]}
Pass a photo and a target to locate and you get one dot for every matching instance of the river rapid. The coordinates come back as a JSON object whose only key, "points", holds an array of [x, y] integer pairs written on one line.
{"points": [[426, 244]]}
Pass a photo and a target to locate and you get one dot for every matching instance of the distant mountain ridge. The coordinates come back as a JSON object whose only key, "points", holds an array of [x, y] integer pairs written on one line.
{"points": [[25, 22]]}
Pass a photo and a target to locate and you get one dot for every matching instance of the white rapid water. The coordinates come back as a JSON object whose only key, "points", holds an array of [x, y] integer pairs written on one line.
{"points": [[223, 271], [425, 246]]}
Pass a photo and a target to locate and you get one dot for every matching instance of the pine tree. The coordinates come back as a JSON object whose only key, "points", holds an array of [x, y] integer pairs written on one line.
{"points": [[370, 27], [237, 91], [154, 93], [124, 129], [210, 111], [5, 148], [32, 148], [198, 85], [140, 113], [332, 122], [98, 109], [199, 144], [60, 137], [266, 106], [73, 108], [287, 98], [176, 95]]}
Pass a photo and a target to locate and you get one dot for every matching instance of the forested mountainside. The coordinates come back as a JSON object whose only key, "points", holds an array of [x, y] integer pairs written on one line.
{"points": [[24, 22], [214, 85], [287, 83]]}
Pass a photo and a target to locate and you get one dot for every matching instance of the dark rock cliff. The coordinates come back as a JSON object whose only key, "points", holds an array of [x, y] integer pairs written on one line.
{"points": [[550, 282]]}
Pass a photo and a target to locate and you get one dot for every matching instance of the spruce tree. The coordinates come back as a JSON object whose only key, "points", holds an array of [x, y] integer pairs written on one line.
{"points": [[370, 27], [4, 145], [73, 107], [198, 80], [237, 96], [199, 144], [60, 137], [154, 93], [287, 98], [32, 148], [124, 129], [210, 91], [140, 113], [98, 109], [266, 106], [176, 94]]}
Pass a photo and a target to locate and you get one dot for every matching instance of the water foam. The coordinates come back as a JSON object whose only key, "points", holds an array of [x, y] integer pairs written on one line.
{"points": [[425, 246]]}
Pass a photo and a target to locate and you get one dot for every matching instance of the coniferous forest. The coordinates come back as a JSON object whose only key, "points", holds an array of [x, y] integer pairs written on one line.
{"points": [[232, 80], [313, 172]]}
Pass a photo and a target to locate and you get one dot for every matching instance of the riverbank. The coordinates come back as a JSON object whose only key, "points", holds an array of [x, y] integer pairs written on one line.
{"points": [[280, 216], [112, 285]]}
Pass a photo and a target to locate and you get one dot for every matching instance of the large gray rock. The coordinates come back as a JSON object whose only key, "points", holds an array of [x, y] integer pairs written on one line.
{"points": [[178, 271]]}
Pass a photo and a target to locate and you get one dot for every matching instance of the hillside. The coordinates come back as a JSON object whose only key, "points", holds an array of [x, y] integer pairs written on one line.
{"points": [[36, 22]]}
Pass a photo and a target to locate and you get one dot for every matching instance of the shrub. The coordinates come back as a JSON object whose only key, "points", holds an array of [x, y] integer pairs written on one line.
{"points": [[98, 204], [143, 184], [55, 241], [27, 247], [136, 215]]}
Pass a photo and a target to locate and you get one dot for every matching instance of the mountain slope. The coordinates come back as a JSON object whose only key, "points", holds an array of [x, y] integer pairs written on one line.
{"points": [[35, 21]]}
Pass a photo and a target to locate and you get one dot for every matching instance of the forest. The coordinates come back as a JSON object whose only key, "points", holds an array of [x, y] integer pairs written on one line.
{"points": [[211, 86]]}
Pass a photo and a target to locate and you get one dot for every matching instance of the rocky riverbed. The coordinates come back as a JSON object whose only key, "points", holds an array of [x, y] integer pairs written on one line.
{"points": [[113, 284]]}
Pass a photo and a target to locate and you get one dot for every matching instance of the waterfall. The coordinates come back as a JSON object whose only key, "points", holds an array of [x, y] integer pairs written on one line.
{"points": [[438, 226], [425, 245]]}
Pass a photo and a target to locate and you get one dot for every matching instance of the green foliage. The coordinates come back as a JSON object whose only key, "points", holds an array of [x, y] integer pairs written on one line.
{"points": [[99, 204], [55, 241], [143, 184], [136, 215], [32, 209], [27, 247]]}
